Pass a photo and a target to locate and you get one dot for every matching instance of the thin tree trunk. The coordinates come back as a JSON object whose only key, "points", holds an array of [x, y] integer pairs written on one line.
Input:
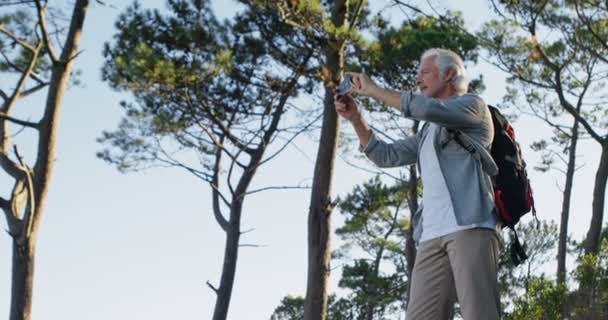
{"points": [[372, 287], [319, 223], [23, 282], [233, 226], [592, 241], [233, 235], [24, 244], [231, 251], [410, 245], [563, 232]]}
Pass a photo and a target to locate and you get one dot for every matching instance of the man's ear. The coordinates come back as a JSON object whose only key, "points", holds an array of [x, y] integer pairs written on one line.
{"points": [[449, 75]]}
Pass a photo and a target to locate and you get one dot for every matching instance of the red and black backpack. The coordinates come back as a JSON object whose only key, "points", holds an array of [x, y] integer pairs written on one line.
{"points": [[512, 191]]}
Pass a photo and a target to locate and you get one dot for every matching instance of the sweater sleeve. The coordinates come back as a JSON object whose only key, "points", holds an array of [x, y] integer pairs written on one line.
{"points": [[457, 112], [388, 155]]}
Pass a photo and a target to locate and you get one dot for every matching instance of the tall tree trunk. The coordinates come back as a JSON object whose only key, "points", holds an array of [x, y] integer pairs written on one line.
{"points": [[372, 287], [233, 226], [24, 244], [563, 232], [592, 241], [233, 235], [23, 281], [319, 223], [231, 251], [233, 232], [410, 245]]}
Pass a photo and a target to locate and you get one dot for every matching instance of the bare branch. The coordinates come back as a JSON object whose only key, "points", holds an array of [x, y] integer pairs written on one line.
{"points": [[10, 166], [103, 3], [355, 16], [253, 245], [21, 42], [546, 119], [218, 123], [11, 220], [12, 3], [216, 194], [376, 172], [290, 140], [510, 69], [231, 170], [247, 231], [219, 145], [32, 90], [4, 204], [29, 215], [17, 91], [381, 132], [33, 125], [411, 7], [41, 10], [302, 152], [33, 74], [559, 187], [3, 95], [274, 188], [212, 287]]}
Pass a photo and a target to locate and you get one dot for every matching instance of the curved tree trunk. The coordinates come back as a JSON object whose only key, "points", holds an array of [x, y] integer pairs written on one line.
{"points": [[232, 227]]}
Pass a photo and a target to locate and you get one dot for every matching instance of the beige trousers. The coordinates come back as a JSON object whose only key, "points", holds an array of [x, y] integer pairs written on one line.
{"points": [[462, 265]]}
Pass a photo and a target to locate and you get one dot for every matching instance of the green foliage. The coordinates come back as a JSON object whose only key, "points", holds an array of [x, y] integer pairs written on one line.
{"points": [[592, 273], [539, 241], [536, 297], [394, 57], [291, 308], [196, 81], [22, 25], [549, 68], [543, 301], [375, 228], [372, 212]]}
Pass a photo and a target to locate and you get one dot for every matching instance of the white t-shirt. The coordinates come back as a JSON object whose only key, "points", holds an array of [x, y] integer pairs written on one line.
{"points": [[438, 217]]}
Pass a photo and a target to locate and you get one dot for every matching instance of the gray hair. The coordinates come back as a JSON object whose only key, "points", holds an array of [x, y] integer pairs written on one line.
{"points": [[449, 60]]}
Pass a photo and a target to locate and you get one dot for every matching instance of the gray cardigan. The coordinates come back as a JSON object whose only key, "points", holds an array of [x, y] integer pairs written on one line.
{"points": [[467, 175]]}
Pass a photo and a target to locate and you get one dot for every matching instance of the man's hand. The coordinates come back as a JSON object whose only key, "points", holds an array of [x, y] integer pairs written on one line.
{"points": [[362, 84], [346, 107]]}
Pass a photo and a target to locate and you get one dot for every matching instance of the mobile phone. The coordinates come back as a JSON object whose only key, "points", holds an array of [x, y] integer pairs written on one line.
{"points": [[345, 85]]}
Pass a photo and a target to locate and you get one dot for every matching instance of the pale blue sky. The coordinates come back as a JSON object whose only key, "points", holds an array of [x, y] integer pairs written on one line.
{"points": [[142, 245]]}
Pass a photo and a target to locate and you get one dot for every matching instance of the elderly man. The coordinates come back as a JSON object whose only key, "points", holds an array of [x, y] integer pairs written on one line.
{"points": [[456, 225]]}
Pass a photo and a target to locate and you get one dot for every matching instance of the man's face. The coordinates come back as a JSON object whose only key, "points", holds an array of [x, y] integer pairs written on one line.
{"points": [[428, 80]]}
